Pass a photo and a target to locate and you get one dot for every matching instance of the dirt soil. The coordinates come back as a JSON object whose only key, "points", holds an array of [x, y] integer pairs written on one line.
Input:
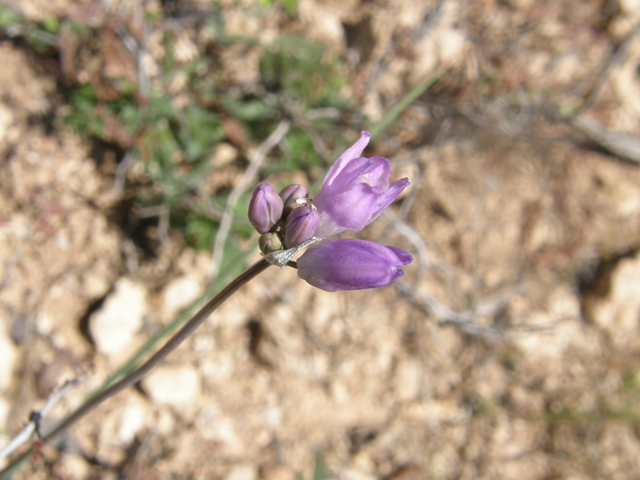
{"points": [[511, 349]]}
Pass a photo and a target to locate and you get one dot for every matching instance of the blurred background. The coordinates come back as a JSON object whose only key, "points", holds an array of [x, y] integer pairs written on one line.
{"points": [[131, 135]]}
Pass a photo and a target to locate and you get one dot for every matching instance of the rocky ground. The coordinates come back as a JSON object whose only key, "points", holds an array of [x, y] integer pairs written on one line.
{"points": [[510, 350]]}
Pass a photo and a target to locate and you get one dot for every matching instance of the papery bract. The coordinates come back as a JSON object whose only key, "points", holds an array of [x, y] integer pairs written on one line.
{"points": [[265, 208], [355, 191], [301, 225], [335, 265]]}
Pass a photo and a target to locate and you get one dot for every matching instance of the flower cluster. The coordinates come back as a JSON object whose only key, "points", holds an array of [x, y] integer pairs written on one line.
{"points": [[354, 193]]}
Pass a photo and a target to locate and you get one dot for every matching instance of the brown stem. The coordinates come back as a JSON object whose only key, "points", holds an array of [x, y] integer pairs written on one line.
{"points": [[154, 360]]}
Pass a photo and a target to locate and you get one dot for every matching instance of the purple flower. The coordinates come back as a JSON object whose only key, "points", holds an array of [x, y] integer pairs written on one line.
{"points": [[355, 191], [335, 265], [301, 225], [290, 196], [265, 208]]}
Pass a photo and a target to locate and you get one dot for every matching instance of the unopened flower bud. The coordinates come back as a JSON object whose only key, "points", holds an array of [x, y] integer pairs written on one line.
{"points": [[265, 208], [271, 242], [291, 196], [336, 265], [301, 225]]}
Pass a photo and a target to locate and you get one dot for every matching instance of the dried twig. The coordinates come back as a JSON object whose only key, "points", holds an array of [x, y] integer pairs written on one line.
{"points": [[408, 232], [121, 172], [464, 321], [33, 427], [613, 60], [247, 179], [621, 144], [163, 213]]}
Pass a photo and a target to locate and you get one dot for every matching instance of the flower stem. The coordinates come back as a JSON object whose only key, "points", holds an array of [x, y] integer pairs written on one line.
{"points": [[137, 375]]}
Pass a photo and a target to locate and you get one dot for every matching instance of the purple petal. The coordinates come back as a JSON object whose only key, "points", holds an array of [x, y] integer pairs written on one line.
{"points": [[354, 152], [335, 265]]}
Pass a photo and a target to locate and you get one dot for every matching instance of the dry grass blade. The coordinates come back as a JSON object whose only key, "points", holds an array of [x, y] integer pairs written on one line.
{"points": [[36, 417]]}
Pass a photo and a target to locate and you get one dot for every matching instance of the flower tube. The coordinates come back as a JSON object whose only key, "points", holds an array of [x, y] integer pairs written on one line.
{"points": [[336, 265], [355, 191]]}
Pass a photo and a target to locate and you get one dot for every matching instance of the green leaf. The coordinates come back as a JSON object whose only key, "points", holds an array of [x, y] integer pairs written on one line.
{"points": [[320, 469], [51, 25], [9, 17], [252, 110]]}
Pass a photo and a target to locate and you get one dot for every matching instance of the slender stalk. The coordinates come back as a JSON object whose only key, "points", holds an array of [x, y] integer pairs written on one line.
{"points": [[137, 375], [395, 111]]}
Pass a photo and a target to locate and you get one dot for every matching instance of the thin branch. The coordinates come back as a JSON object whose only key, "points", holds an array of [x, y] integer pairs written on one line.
{"points": [[121, 172], [408, 232], [137, 375], [613, 60], [464, 321], [620, 144], [247, 179], [36, 417]]}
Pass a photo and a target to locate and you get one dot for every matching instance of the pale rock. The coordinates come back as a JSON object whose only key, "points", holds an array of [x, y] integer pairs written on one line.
{"points": [[352, 474], [436, 50], [224, 154], [179, 294], [273, 415], [242, 472], [322, 22], [73, 467], [220, 368], [562, 314], [95, 282], [44, 324], [114, 326], [436, 412], [6, 119], [630, 7], [618, 313], [521, 4], [185, 50], [277, 472], [407, 379], [133, 419], [213, 426], [627, 201], [178, 387], [178, 83], [165, 423], [8, 357], [5, 408]]}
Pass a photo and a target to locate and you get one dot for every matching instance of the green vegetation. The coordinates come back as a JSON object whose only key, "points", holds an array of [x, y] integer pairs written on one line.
{"points": [[172, 120]]}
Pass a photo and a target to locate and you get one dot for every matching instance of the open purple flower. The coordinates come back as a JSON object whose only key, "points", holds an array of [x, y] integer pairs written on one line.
{"points": [[355, 191], [335, 265]]}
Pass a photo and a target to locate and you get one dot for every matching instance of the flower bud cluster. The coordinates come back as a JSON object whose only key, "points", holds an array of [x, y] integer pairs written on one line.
{"points": [[354, 193], [285, 220]]}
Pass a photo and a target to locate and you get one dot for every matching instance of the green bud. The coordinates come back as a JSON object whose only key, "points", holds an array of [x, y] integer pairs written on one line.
{"points": [[271, 242]]}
